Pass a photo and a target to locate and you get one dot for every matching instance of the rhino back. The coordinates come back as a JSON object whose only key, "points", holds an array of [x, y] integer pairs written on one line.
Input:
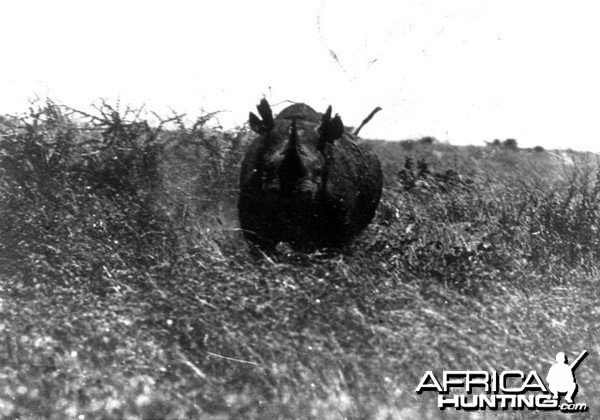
{"points": [[300, 111]]}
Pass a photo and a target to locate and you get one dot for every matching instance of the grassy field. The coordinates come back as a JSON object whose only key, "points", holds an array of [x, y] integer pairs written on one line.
{"points": [[126, 290]]}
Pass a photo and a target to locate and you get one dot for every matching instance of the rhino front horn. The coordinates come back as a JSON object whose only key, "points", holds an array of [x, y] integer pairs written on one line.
{"points": [[291, 167]]}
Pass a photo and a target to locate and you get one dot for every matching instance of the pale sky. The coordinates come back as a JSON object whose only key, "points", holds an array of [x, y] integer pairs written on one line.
{"points": [[463, 70]]}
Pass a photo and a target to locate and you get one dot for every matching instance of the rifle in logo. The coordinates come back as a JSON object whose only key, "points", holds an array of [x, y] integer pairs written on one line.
{"points": [[561, 379]]}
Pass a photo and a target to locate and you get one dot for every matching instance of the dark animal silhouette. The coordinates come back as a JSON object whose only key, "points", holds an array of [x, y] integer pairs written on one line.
{"points": [[305, 181]]}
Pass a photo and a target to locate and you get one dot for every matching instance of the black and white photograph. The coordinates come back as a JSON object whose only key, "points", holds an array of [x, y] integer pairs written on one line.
{"points": [[346, 210]]}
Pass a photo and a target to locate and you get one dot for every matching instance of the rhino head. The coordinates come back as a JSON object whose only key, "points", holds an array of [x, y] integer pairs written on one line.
{"points": [[296, 146]]}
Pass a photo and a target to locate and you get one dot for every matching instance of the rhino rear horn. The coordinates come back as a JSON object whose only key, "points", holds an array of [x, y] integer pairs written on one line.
{"points": [[267, 123], [330, 129]]}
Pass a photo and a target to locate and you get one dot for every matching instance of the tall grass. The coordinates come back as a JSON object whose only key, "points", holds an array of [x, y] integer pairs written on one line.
{"points": [[126, 290]]}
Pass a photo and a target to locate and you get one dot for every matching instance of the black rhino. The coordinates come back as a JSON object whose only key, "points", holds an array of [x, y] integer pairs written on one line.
{"points": [[305, 181]]}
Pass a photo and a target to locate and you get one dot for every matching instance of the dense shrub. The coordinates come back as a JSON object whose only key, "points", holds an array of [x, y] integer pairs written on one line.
{"points": [[94, 180]]}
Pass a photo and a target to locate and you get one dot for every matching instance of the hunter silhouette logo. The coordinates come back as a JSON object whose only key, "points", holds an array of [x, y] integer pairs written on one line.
{"points": [[561, 378], [509, 389]]}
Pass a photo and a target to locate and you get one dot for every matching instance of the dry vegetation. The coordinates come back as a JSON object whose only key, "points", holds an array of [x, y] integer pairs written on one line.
{"points": [[127, 292]]}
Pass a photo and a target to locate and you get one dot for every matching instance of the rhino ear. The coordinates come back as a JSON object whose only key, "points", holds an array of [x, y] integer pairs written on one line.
{"points": [[326, 116], [266, 124], [336, 127], [265, 112], [330, 129], [256, 124]]}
